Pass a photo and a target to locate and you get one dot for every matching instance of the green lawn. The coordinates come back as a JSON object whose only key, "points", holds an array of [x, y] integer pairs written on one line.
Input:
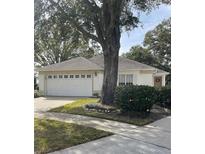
{"points": [[53, 135], [77, 108]]}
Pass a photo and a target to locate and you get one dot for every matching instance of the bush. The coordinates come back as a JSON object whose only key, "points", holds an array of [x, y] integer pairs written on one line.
{"points": [[96, 95], [135, 98], [36, 87], [164, 97], [37, 94]]}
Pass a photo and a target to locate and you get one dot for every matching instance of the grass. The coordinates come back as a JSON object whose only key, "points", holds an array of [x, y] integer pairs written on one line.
{"points": [[51, 135], [136, 119]]}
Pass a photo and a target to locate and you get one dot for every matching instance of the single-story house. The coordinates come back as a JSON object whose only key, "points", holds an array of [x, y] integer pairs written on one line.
{"points": [[84, 77]]}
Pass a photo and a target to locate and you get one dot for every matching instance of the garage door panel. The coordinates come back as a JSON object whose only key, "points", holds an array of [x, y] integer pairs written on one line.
{"points": [[69, 87]]}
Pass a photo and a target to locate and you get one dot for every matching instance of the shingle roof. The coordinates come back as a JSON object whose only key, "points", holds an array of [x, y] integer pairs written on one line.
{"points": [[161, 71], [124, 63], [96, 63], [78, 63]]}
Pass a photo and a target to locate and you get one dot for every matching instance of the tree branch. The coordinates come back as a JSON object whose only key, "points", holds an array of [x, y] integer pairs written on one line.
{"points": [[84, 32], [96, 14], [74, 23]]}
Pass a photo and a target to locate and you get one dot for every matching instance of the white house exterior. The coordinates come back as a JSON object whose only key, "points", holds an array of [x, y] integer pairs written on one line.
{"points": [[84, 77]]}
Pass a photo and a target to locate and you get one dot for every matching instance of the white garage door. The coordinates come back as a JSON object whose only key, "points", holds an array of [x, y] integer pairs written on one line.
{"points": [[69, 85]]}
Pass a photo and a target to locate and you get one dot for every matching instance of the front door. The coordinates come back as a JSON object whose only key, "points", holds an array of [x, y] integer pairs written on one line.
{"points": [[158, 81]]}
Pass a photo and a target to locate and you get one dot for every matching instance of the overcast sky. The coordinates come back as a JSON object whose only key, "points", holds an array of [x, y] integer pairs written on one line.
{"points": [[136, 36]]}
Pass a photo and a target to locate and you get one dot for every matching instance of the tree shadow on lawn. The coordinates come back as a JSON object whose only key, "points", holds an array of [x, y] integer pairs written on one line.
{"points": [[51, 135]]}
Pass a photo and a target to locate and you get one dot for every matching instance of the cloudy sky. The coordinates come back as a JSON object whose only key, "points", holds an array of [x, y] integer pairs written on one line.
{"points": [[136, 36]]}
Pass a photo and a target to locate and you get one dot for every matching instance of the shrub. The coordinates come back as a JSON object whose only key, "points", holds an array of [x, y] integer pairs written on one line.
{"points": [[37, 94], [96, 95], [135, 98], [36, 87], [164, 97]]}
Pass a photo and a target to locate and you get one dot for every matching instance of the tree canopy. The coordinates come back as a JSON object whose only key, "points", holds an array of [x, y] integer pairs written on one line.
{"points": [[156, 49], [158, 43], [56, 40], [89, 16]]}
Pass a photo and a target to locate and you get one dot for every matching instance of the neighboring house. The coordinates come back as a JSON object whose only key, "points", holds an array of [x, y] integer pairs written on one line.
{"points": [[84, 77]]}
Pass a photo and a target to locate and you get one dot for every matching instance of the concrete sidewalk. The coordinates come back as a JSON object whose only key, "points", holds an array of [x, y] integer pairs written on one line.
{"points": [[163, 124], [153, 138], [115, 144]]}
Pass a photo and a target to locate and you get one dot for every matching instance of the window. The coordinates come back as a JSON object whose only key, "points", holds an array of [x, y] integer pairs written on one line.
{"points": [[82, 76], [121, 79], [88, 76], [129, 79], [65, 76], [71, 76], [49, 76], [55, 76], [76, 76], [60, 76], [125, 79]]}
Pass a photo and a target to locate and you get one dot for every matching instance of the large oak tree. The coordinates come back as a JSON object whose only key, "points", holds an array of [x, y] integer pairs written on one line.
{"points": [[103, 22], [56, 41]]}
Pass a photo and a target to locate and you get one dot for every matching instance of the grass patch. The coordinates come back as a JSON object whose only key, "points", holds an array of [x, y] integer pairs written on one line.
{"points": [[77, 107], [51, 135]]}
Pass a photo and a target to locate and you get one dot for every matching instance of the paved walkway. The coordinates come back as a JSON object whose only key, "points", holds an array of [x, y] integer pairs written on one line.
{"points": [[151, 139], [46, 103], [115, 144]]}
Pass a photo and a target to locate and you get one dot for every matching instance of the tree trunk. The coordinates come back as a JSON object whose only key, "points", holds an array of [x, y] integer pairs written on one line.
{"points": [[110, 76], [111, 56], [110, 45]]}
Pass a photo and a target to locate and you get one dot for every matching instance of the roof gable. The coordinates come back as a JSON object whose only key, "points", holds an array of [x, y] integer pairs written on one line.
{"points": [[78, 63]]}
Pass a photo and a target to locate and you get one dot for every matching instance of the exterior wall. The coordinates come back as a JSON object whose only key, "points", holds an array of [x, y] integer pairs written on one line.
{"points": [[139, 78], [163, 80], [98, 81], [41, 83], [145, 79]]}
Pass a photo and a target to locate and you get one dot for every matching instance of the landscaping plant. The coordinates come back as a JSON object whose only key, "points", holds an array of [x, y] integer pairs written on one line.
{"points": [[164, 97], [135, 98]]}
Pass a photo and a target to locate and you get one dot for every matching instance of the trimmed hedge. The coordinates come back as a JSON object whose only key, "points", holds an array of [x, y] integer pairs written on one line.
{"points": [[164, 97], [135, 98]]}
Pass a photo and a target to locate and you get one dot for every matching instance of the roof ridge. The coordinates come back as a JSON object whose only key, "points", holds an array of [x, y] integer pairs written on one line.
{"points": [[72, 63], [91, 61], [59, 62]]}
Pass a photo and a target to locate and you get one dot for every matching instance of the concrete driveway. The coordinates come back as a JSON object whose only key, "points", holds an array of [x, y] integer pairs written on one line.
{"points": [[46, 103]]}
